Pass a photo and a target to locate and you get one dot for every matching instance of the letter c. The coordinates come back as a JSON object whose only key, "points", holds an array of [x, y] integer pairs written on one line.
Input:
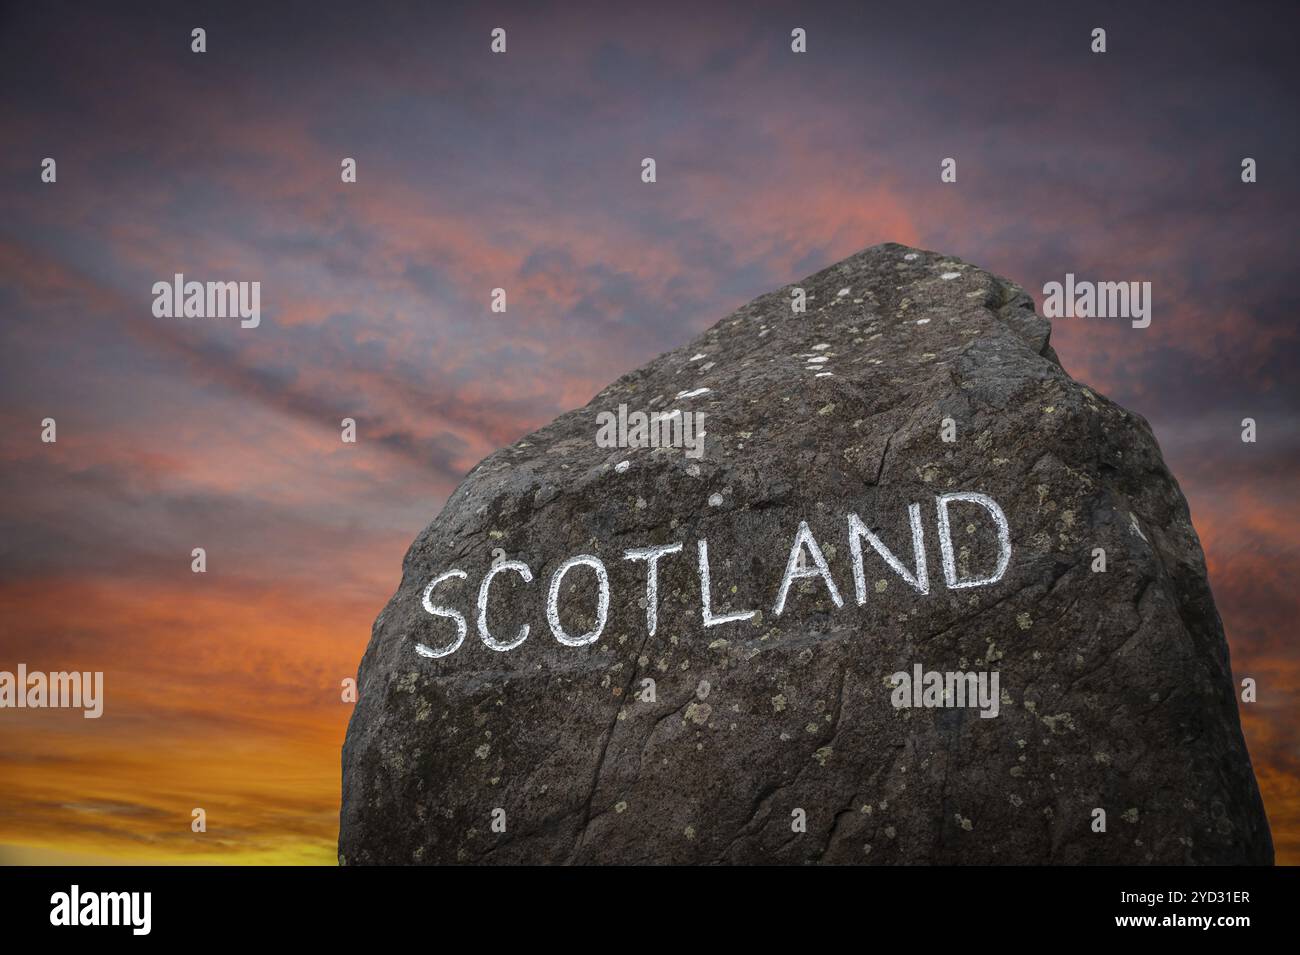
{"points": [[493, 644]]}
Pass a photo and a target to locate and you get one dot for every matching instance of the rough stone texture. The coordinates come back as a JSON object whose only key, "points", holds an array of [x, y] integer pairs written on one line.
{"points": [[1116, 688]]}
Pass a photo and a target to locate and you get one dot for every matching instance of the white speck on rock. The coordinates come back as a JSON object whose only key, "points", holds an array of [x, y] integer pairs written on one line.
{"points": [[949, 276], [821, 347], [715, 500], [1134, 521], [842, 292], [910, 257], [622, 466], [923, 321], [698, 357], [693, 394]]}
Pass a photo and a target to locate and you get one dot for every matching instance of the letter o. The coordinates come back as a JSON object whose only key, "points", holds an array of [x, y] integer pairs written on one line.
{"points": [[602, 601]]}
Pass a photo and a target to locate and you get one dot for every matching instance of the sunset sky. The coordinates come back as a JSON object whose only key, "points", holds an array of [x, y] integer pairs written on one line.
{"points": [[522, 171]]}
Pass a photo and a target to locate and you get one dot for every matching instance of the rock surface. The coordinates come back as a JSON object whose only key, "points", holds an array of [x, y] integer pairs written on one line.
{"points": [[1115, 688]]}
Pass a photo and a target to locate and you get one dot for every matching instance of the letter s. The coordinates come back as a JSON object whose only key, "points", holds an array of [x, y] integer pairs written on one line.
{"points": [[461, 627]]}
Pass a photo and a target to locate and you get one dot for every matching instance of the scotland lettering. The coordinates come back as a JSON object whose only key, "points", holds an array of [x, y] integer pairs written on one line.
{"points": [[806, 560], [181, 299], [1098, 300]]}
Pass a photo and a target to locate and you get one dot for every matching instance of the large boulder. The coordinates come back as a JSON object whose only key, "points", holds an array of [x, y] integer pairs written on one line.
{"points": [[775, 695]]}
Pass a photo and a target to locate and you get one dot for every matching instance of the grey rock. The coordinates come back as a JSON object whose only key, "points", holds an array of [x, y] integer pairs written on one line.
{"points": [[1115, 688]]}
